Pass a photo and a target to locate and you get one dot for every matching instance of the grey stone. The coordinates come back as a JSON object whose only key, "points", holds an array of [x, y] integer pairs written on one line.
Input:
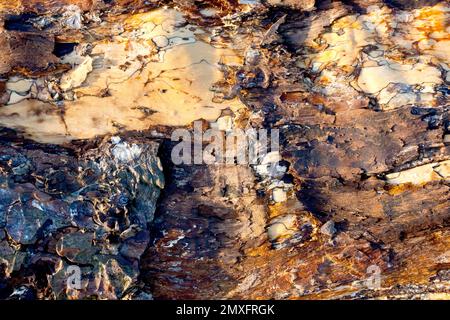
{"points": [[77, 247], [135, 246], [328, 228]]}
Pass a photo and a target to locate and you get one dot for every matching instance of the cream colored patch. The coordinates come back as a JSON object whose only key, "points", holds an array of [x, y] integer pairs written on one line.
{"points": [[374, 79], [422, 174], [282, 226], [16, 97], [133, 83], [19, 86], [393, 50], [75, 77]]}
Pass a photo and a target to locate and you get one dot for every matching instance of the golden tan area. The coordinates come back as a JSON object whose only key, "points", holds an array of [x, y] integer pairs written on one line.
{"points": [[348, 198], [159, 71]]}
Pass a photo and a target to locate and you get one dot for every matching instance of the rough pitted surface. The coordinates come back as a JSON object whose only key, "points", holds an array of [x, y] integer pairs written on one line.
{"points": [[90, 92], [89, 208]]}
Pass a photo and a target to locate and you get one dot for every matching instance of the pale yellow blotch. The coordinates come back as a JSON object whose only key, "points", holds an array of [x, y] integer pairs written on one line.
{"points": [[421, 174], [128, 75], [374, 79]]}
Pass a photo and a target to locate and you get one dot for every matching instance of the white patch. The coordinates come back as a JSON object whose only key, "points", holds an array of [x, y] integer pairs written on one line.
{"points": [[171, 243], [36, 205], [123, 152], [115, 140]]}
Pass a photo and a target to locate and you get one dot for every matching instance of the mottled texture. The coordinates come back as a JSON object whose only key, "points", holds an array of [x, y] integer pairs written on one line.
{"points": [[355, 204], [87, 207]]}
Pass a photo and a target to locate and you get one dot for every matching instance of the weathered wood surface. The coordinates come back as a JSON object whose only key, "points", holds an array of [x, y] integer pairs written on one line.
{"points": [[90, 92]]}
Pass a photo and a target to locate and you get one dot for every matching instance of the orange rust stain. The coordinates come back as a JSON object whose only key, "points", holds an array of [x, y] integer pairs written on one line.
{"points": [[291, 97], [432, 20], [324, 80], [317, 99], [395, 190], [258, 251], [275, 210], [422, 263]]}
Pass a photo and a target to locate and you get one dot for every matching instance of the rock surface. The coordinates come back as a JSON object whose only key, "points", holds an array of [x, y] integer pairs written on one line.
{"points": [[91, 91], [88, 208]]}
